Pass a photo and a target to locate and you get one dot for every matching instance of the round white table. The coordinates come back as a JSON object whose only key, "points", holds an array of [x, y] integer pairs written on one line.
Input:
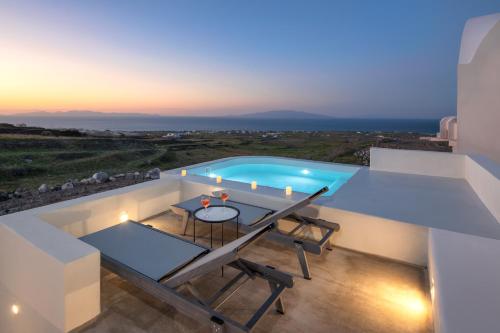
{"points": [[216, 214]]}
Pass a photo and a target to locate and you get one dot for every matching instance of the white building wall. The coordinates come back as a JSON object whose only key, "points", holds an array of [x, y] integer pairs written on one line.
{"points": [[478, 104]]}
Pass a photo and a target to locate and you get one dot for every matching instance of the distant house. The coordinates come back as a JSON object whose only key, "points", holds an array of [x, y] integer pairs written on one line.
{"points": [[171, 135]]}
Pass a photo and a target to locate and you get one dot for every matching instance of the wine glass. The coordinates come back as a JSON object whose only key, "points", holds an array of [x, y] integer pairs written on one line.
{"points": [[205, 202], [224, 196]]}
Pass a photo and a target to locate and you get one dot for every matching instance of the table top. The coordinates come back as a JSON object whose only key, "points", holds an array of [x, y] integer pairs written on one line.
{"points": [[216, 214]]}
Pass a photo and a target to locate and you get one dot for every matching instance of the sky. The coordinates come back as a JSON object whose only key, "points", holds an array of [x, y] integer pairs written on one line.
{"points": [[350, 58]]}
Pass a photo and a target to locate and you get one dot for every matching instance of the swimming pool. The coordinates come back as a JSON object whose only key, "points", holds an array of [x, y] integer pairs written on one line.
{"points": [[302, 176]]}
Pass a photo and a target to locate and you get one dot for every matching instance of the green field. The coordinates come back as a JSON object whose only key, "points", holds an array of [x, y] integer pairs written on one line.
{"points": [[28, 158]]}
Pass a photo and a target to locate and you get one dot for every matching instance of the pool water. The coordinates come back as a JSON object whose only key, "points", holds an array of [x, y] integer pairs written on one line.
{"points": [[306, 177]]}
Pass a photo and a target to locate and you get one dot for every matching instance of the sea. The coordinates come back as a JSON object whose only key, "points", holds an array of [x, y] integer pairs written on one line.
{"points": [[137, 123]]}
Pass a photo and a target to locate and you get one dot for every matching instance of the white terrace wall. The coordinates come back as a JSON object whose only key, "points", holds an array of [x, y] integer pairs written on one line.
{"points": [[464, 276], [382, 237], [48, 271], [86, 215], [426, 163], [482, 174], [53, 274]]}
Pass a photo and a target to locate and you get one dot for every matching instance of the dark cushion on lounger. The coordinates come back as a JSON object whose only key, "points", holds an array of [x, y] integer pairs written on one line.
{"points": [[148, 251]]}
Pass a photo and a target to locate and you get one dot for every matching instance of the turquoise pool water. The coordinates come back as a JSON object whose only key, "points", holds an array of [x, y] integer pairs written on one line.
{"points": [[305, 177]]}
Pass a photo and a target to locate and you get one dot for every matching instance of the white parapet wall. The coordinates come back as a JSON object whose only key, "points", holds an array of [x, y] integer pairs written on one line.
{"points": [[46, 269], [418, 162], [378, 236], [465, 282], [86, 215], [360, 232], [482, 174], [49, 271]]}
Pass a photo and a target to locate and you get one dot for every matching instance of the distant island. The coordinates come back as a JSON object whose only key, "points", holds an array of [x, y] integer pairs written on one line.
{"points": [[275, 114], [80, 114], [283, 114]]}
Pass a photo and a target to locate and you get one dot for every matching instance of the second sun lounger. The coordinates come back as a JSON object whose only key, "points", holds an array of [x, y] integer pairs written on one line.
{"points": [[252, 217]]}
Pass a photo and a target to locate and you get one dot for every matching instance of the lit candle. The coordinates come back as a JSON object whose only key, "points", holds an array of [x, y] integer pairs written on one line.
{"points": [[123, 217], [15, 309], [254, 185], [183, 172], [288, 190], [219, 179]]}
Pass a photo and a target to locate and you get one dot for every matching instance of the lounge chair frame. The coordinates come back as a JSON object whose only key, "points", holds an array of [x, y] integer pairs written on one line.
{"points": [[290, 238], [168, 288]]}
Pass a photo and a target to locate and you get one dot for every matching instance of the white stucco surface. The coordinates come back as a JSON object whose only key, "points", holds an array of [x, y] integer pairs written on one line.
{"points": [[385, 213], [475, 31], [478, 100], [360, 232], [435, 202], [418, 162], [483, 175], [465, 272], [50, 272]]}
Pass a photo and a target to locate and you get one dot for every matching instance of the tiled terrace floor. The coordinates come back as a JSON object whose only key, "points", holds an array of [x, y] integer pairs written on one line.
{"points": [[349, 292]]}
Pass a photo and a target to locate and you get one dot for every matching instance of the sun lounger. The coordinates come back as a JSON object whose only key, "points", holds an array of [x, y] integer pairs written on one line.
{"points": [[252, 217], [164, 265]]}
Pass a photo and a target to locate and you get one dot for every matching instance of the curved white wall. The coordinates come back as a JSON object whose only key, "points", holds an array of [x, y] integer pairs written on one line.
{"points": [[478, 104], [475, 31]]}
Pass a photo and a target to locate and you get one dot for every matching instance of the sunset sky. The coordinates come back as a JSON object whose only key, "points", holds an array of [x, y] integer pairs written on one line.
{"points": [[341, 58]]}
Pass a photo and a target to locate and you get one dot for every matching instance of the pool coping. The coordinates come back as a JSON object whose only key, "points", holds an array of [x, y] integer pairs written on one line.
{"points": [[261, 189], [364, 194]]}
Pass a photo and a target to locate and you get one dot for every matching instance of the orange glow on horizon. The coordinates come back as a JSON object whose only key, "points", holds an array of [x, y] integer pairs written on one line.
{"points": [[37, 78]]}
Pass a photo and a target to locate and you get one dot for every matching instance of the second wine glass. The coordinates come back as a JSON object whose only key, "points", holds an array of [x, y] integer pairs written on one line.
{"points": [[205, 202], [224, 196]]}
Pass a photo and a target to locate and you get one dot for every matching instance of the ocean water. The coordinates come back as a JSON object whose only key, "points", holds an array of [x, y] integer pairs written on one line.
{"points": [[117, 123]]}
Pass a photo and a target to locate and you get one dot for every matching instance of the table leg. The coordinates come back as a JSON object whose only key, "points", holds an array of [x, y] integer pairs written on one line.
{"points": [[237, 227], [222, 240], [211, 245], [185, 220], [194, 229]]}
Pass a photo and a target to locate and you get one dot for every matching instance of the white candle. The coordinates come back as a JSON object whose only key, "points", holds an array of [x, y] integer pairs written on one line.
{"points": [[183, 172], [254, 185], [288, 190]]}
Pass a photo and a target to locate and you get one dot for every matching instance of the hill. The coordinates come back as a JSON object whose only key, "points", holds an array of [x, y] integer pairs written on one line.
{"points": [[81, 114]]}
